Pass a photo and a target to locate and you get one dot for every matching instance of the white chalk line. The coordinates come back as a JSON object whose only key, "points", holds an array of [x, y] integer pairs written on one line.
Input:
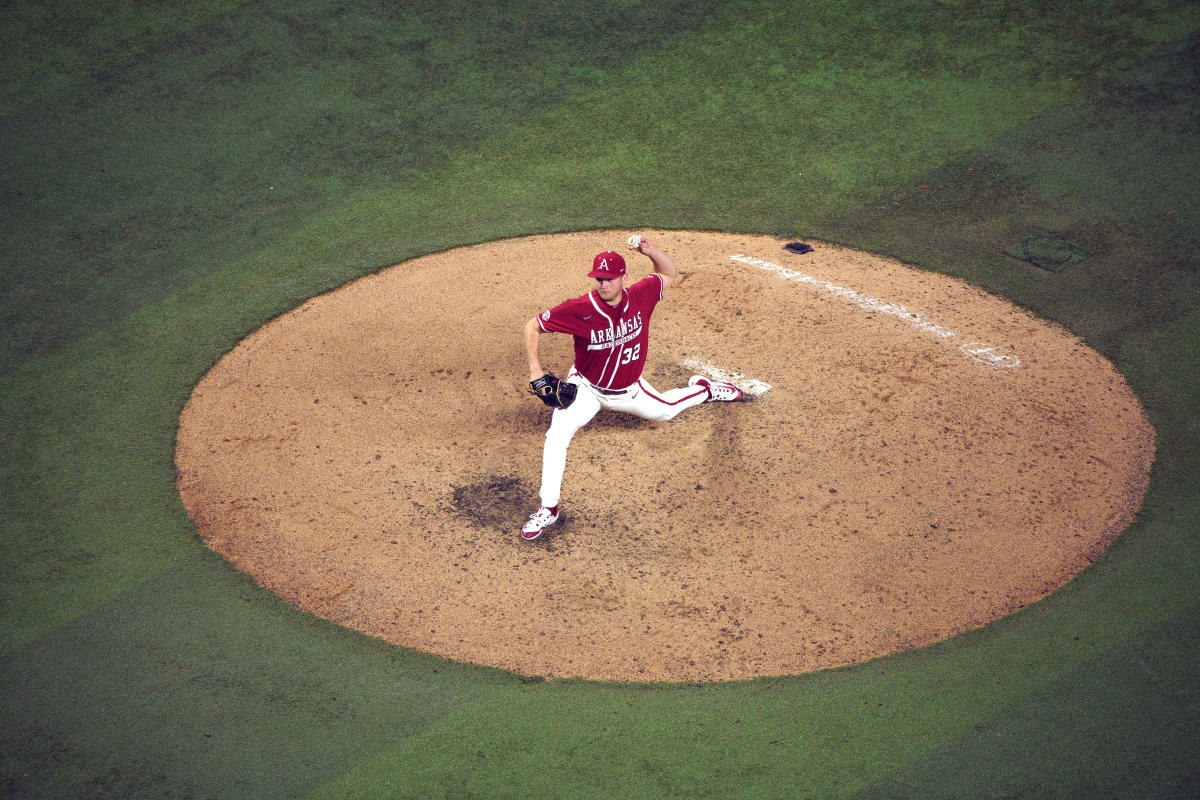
{"points": [[981, 352], [750, 386]]}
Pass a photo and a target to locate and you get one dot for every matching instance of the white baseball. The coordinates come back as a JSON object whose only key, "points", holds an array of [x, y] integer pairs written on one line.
{"points": [[635, 241]]}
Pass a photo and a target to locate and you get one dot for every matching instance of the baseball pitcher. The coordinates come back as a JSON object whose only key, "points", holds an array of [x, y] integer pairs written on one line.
{"points": [[611, 329]]}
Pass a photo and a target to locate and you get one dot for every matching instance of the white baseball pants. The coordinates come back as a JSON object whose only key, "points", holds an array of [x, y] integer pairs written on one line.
{"points": [[641, 399]]}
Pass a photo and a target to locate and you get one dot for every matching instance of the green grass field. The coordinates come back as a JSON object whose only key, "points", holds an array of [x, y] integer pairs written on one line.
{"points": [[175, 176]]}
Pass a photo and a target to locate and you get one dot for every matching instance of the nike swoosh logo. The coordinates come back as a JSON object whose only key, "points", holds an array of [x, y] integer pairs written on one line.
{"points": [[589, 316]]}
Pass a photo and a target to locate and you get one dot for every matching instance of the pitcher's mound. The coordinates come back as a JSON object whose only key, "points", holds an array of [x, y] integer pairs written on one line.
{"points": [[927, 458]]}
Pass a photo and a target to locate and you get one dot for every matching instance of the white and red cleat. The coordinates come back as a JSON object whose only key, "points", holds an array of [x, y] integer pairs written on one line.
{"points": [[540, 520], [718, 391]]}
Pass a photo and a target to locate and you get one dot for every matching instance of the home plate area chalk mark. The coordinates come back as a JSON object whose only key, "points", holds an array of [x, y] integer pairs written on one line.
{"points": [[748, 385], [980, 352]]}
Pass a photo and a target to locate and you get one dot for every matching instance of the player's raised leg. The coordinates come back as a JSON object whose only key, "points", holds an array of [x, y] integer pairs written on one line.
{"points": [[651, 404]]}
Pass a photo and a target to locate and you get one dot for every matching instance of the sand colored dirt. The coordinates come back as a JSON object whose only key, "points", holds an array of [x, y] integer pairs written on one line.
{"points": [[929, 459]]}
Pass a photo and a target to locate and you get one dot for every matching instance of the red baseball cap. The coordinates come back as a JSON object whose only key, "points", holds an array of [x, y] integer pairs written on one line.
{"points": [[607, 265]]}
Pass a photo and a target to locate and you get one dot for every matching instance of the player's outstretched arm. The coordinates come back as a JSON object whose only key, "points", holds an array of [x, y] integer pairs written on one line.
{"points": [[533, 335], [664, 265]]}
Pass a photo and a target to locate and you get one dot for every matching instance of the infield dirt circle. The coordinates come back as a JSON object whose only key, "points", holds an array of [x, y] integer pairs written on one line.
{"points": [[928, 458]]}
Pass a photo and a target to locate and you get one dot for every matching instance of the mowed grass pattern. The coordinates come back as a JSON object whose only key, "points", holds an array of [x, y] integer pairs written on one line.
{"points": [[174, 179]]}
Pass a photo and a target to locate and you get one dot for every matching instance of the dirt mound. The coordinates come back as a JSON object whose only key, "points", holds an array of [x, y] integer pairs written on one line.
{"points": [[927, 458]]}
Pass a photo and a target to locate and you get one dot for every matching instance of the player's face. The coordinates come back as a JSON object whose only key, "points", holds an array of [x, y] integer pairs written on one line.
{"points": [[609, 289]]}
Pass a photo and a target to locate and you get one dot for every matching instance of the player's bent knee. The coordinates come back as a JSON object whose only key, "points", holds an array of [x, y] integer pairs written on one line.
{"points": [[561, 433]]}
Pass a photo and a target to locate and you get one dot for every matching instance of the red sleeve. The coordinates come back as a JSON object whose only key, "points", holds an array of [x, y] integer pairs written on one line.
{"points": [[565, 317], [649, 289]]}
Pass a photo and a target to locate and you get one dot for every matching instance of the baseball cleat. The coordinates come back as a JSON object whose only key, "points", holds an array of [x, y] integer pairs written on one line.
{"points": [[718, 391], [540, 520]]}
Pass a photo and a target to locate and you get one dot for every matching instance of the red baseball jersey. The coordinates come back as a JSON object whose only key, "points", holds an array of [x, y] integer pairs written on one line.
{"points": [[610, 342]]}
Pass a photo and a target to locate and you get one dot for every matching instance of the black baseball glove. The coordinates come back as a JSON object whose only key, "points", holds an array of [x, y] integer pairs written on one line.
{"points": [[552, 391]]}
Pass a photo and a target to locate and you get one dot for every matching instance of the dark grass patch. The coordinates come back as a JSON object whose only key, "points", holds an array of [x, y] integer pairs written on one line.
{"points": [[53, 44], [194, 685], [1046, 252], [1123, 725]]}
